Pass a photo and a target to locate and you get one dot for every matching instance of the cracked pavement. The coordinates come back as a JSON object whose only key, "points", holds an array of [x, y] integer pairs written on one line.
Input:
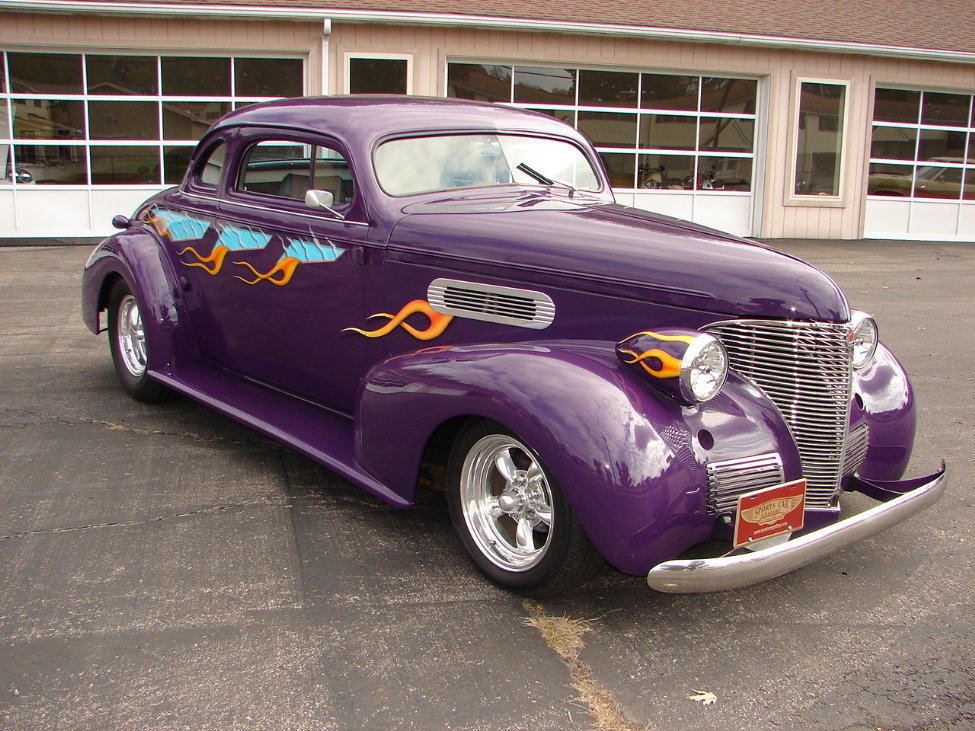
{"points": [[165, 567]]}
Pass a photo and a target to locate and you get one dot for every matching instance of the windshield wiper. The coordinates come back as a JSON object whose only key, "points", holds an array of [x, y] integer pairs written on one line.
{"points": [[544, 179]]}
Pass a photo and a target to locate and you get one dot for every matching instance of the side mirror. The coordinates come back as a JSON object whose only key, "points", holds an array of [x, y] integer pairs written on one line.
{"points": [[121, 222], [323, 200]]}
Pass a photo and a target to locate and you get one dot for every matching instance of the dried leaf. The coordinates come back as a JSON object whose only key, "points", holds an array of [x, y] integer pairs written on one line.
{"points": [[703, 696]]}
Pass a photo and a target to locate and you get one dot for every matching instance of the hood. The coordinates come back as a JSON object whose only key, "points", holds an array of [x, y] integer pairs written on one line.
{"points": [[606, 248]]}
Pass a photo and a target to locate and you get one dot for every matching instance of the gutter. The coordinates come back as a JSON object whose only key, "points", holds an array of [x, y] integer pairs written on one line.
{"points": [[324, 14]]}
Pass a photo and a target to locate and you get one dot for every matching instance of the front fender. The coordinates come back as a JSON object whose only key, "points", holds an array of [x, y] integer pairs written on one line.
{"points": [[138, 256], [630, 461]]}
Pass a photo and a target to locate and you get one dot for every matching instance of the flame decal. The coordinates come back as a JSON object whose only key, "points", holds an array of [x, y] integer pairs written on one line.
{"points": [[285, 267], [216, 259], [438, 322], [176, 226], [669, 365]]}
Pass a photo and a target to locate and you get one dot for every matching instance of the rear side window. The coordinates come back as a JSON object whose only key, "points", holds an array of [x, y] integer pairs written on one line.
{"points": [[209, 170], [287, 169]]}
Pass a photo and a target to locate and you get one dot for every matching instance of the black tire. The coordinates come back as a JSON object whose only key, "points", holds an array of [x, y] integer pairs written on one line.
{"points": [[131, 351], [518, 529]]}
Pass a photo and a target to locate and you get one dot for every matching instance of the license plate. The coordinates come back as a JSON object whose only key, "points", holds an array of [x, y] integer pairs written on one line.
{"points": [[770, 512]]}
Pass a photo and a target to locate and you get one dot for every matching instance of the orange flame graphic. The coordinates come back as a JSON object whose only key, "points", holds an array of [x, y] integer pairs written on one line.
{"points": [[286, 267], [160, 225], [669, 365], [216, 258], [438, 322]]}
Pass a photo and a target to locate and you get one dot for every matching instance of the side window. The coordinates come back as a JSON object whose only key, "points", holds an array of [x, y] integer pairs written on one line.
{"points": [[287, 169], [208, 171]]}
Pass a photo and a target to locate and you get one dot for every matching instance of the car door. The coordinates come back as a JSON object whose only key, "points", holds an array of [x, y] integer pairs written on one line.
{"points": [[291, 277]]}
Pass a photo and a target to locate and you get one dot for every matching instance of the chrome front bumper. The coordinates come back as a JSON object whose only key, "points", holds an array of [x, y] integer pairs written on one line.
{"points": [[904, 499]]}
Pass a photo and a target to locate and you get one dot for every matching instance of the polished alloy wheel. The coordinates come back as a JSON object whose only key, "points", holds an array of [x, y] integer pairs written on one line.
{"points": [[131, 336], [506, 502]]}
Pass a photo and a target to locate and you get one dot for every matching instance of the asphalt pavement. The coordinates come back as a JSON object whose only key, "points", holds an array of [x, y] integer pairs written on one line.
{"points": [[164, 567]]}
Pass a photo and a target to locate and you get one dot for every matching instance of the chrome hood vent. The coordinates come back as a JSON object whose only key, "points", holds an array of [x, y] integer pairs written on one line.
{"points": [[489, 303]]}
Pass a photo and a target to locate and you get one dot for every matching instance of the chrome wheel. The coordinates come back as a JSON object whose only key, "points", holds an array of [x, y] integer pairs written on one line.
{"points": [[506, 502], [131, 336]]}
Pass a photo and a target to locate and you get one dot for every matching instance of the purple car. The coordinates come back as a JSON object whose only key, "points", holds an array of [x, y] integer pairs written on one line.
{"points": [[386, 284]]}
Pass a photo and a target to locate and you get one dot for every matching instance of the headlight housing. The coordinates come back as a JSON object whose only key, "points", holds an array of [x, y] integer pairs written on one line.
{"points": [[686, 365], [863, 339]]}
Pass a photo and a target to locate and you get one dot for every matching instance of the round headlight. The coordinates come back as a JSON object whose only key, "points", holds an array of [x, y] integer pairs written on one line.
{"points": [[864, 338], [703, 368]]}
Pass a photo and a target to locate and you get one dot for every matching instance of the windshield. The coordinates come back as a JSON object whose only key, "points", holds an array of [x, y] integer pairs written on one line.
{"points": [[413, 165]]}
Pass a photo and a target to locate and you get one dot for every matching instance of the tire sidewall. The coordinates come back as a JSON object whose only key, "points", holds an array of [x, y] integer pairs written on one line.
{"points": [[140, 387]]}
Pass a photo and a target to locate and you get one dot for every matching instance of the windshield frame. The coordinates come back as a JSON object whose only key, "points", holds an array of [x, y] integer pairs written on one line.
{"points": [[595, 164]]}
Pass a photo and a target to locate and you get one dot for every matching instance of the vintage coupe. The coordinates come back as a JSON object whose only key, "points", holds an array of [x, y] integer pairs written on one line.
{"points": [[387, 283]]}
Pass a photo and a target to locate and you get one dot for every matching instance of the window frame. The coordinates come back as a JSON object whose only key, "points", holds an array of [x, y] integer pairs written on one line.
{"points": [[839, 200]]}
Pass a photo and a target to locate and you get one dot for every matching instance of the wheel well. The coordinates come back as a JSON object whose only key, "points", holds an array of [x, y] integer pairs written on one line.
{"points": [[433, 464], [106, 287]]}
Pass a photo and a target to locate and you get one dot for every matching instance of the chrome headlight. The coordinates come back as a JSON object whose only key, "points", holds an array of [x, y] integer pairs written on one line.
{"points": [[864, 339], [687, 365], [703, 369]]}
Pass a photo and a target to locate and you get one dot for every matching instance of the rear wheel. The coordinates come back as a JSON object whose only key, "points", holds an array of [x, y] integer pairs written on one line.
{"points": [[512, 517], [129, 345]]}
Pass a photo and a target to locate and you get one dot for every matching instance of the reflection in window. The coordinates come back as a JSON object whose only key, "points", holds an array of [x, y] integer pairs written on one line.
{"points": [[968, 192], [727, 134], [666, 172], [724, 173], [195, 76], [114, 75], [117, 165], [950, 110], [563, 115], [43, 119], [543, 85], [3, 73], [53, 164], [268, 77], [189, 120], [890, 180], [729, 96], [940, 144], [663, 91], [484, 82], [819, 146], [893, 143], [378, 75], [175, 162], [608, 88], [608, 129], [620, 168], [896, 105], [937, 181], [123, 120], [45, 73], [668, 131]]}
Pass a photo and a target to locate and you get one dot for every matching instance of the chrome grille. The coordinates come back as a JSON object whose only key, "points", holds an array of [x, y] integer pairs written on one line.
{"points": [[856, 449], [731, 478], [804, 368]]}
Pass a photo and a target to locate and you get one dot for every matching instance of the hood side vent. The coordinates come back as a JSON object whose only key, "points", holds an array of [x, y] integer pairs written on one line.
{"points": [[489, 303]]}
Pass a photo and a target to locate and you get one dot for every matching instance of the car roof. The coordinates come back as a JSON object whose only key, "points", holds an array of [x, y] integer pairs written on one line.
{"points": [[364, 117]]}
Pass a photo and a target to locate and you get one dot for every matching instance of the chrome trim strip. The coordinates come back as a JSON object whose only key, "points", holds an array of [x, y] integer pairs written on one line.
{"points": [[491, 303], [733, 572]]}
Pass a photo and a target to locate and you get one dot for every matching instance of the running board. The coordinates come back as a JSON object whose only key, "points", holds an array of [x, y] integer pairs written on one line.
{"points": [[318, 433]]}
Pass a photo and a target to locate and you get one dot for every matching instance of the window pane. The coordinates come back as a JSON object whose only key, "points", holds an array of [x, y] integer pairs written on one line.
{"points": [[175, 161], [724, 173], [607, 88], [666, 172], [945, 109], [969, 190], [896, 105], [941, 144], [896, 143], [123, 120], [5, 130], [122, 75], [124, 165], [7, 165], [608, 129], [45, 73], [545, 85], [621, 168], [563, 115], [895, 180], [189, 120], [195, 76], [209, 172], [276, 167], [53, 164], [735, 96], [42, 119], [3, 72], [937, 181], [484, 82], [820, 139], [268, 76], [728, 134], [668, 131], [330, 172], [377, 75], [661, 91]]}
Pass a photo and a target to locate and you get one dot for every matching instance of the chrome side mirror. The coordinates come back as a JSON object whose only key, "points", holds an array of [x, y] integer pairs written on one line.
{"points": [[323, 200]]}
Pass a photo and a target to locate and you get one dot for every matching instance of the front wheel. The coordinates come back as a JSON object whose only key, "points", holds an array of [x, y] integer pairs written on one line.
{"points": [[129, 345], [512, 517]]}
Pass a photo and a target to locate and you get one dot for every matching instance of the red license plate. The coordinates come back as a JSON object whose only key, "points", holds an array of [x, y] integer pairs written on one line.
{"points": [[770, 512]]}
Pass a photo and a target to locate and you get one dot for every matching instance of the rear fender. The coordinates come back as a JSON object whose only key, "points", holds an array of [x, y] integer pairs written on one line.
{"points": [[630, 461]]}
